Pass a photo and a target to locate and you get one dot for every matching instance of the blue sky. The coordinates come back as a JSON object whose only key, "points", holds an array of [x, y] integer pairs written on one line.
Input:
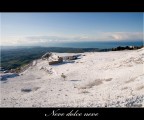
{"points": [[46, 28]]}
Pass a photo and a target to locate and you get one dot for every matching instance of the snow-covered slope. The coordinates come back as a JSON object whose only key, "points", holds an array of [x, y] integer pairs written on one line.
{"points": [[97, 79]]}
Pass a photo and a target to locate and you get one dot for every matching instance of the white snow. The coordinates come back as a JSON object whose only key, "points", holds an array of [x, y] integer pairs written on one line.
{"points": [[98, 79]]}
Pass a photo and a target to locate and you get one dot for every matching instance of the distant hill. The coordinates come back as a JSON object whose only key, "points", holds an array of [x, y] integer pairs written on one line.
{"points": [[14, 57]]}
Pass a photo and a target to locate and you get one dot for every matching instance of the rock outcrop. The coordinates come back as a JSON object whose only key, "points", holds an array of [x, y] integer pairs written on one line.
{"points": [[60, 60], [46, 55], [55, 59], [70, 57], [52, 58]]}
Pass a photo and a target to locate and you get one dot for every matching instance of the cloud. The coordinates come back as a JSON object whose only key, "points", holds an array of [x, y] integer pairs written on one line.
{"points": [[124, 35], [43, 40]]}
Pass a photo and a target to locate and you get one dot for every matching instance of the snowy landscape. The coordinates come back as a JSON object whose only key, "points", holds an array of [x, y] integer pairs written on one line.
{"points": [[94, 79], [77, 59]]}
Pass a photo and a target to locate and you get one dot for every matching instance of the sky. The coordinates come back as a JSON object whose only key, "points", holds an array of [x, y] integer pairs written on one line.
{"points": [[20, 29]]}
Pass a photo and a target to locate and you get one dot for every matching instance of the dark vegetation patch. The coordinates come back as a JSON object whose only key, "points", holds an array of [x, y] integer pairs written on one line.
{"points": [[26, 90], [6, 76], [109, 79], [75, 80]]}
